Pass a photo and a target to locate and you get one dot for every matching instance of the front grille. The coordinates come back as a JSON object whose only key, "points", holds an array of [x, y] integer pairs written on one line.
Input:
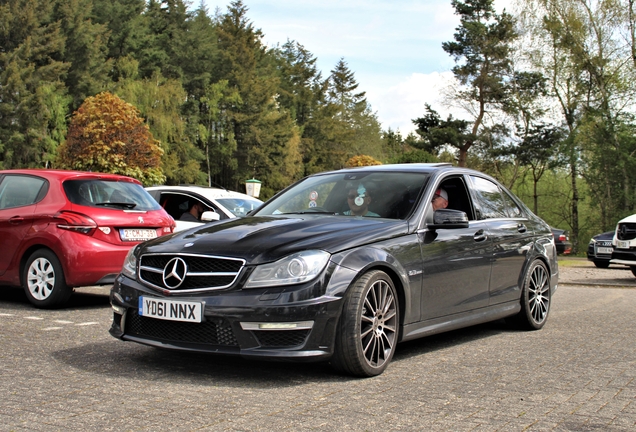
{"points": [[209, 332], [281, 339], [626, 231], [201, 272]]}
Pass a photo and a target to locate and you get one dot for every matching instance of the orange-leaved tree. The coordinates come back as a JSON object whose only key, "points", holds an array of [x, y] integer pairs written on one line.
{"points": [[361, 160], [107, 134]]}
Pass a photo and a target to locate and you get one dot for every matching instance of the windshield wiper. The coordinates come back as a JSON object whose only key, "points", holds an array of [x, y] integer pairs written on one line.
{"points": [[126, 205], [311, 212]]}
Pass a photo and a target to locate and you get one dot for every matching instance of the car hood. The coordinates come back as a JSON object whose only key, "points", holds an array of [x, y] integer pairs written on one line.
{"points": [[604, 236], [261, 239]]}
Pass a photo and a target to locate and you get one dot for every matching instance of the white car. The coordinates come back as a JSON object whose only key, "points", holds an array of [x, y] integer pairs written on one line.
{"points": [[624, 243], [219, 203]]}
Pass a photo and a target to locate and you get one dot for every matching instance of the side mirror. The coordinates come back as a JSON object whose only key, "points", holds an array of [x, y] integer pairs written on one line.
{"points": [[209, 216], [449, 219]]}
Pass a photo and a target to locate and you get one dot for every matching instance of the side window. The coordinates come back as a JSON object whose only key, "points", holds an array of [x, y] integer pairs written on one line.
{"points": [[18, 191], [176, 204], [458, 197], [513, 209], [490, 201]]}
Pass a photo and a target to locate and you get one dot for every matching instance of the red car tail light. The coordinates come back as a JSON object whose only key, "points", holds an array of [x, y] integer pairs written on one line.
{"points": [[76, 222]]}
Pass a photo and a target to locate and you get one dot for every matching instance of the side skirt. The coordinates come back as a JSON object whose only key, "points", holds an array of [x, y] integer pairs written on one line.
{"points": [[457, 321]]}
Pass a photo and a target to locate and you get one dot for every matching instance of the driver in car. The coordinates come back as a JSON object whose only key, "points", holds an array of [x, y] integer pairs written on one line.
{"points": [[358, 200]]}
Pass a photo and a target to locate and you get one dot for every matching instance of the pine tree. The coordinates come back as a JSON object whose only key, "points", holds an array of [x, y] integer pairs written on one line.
{"points": [[267, 139], [85, 49], [33, 100], [482, 45]]}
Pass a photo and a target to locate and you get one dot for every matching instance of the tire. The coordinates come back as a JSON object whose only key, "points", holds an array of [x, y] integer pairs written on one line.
{"points": [[535, 298], [368, 327], [602, 264], [43, 280], [633, 269]]}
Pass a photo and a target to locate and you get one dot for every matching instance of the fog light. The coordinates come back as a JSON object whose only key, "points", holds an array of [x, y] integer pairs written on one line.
{"points": [[105, 230], [300, 325], [118, 309]]}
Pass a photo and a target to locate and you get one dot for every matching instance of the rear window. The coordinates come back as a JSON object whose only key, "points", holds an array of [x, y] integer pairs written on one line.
{"points": [[109, 194]]}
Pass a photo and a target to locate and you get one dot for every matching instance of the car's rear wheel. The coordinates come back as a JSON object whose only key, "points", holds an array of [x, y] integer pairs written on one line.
{"points": [[602, 264], [368, 328], [43, 280], [535, 298]]}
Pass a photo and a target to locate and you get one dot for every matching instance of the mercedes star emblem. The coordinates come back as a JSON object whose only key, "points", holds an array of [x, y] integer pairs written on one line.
{"points": [[174, 273]]}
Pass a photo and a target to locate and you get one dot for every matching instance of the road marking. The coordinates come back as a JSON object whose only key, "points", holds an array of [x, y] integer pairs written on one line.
{"points": [[4, 314], [52, 328], [87, 323], [34, 318], [63, 322]]}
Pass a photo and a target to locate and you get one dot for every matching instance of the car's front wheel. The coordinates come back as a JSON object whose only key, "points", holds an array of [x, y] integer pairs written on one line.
{"points": [[43, 280], [535, 297], [368, 328], [602, 264]]}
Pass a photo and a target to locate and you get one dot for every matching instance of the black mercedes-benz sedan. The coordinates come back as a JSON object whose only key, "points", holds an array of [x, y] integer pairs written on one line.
{"points": [[342, 266]]}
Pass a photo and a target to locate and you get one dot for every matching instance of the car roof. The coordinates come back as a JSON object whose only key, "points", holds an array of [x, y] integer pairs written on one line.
{"points": [[208, 192], [66, 174]]}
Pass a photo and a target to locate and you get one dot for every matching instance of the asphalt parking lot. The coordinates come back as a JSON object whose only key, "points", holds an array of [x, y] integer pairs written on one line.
{"points": [[61, 370]]}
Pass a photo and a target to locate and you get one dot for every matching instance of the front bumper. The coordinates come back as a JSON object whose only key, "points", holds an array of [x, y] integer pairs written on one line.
{"points": [[230, 323], [624, 256]]}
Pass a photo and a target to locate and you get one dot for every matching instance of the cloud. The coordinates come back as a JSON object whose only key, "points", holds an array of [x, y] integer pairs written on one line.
{"points": [[397, 105]]}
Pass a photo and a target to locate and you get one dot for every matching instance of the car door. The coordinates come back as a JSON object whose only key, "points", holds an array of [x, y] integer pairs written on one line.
{"points": [[18, 197], [511, 236], [456, 262]]}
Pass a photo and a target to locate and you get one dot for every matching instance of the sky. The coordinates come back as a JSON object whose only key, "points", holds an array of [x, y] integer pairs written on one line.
{"points": [[393, 47]]}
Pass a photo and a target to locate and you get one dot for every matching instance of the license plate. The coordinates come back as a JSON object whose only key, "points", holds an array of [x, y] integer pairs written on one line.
{"points": [[171, 310], [604, 250], [137, 234], [622, 244]]}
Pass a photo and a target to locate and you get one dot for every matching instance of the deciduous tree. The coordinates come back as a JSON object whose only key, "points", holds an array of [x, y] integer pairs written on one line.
{"points": [[108, 135]]}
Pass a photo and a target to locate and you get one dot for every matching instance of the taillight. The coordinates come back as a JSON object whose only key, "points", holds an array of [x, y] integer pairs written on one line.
{"points": [[562, 237], [76, 222]]}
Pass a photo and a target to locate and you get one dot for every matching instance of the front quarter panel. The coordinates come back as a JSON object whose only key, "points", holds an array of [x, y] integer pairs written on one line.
{"points": [[400, 258]]}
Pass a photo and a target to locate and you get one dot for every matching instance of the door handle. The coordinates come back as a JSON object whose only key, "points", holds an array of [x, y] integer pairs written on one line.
{"points": [[16, 220], [521, 228], [480, 236]]}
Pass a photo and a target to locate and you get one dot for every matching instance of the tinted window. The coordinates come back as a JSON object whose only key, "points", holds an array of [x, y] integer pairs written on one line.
{"points": [[513, 209], [17, 191], [109, 194], [490, 202]]}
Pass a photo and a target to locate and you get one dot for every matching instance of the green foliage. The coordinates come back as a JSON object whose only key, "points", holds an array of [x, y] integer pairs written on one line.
{"points": [[107, 135], [481, 46], [33, 99]]}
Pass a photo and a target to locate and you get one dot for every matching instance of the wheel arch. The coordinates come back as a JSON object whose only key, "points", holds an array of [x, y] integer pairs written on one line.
{"points": [[29, 251], [364, 260]]}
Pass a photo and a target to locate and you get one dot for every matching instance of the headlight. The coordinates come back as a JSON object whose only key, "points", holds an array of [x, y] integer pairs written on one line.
{"points": [[297, 268], [130, 264]]}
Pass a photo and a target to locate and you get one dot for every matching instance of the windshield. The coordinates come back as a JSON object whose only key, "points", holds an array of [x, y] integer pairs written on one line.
{"points": [[109, 194], [370, 194], [240, 206]]}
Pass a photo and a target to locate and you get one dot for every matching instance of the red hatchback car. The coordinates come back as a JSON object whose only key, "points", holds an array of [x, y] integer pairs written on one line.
{"points": [[63, 229]]}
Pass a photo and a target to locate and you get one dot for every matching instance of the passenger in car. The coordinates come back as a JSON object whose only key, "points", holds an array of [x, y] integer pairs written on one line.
{"points": [[194, 213], [358, 200], [440, 199]]}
